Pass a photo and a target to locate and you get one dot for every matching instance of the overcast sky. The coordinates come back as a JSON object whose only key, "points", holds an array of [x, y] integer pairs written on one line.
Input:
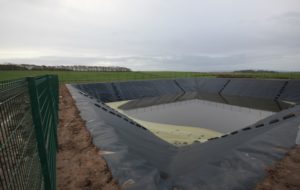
{"points": [[193, 35]]}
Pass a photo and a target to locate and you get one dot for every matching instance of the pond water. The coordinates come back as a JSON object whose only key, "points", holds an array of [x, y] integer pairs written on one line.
{"points": [[184, 119]]}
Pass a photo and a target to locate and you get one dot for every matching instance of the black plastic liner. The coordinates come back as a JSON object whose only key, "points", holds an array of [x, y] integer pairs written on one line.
{"points": [[234, 161]]}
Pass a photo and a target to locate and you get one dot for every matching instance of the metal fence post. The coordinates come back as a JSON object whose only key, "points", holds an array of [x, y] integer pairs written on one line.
{"points": [[53, 103], [37, 121]]}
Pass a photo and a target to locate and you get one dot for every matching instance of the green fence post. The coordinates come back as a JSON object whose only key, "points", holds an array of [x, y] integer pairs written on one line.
{"points": [[53, 95], [37, 122]]}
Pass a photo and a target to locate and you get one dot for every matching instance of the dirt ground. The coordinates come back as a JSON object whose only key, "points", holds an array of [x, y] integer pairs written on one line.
{"points": [[285, 175], [79, 164]]}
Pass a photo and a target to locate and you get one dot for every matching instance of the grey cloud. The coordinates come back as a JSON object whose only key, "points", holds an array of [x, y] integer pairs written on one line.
{"points": [[289, 18], [171, 35]]}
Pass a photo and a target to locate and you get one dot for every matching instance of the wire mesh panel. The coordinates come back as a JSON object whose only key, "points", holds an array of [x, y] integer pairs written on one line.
{"points": [[44, 100], [23, 148]]}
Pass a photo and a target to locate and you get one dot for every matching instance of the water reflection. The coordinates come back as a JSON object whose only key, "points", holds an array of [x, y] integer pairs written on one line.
{"points": [[186, 118]]}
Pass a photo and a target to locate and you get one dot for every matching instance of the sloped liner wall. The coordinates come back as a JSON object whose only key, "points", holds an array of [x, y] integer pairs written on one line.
{"points": [[141, 160]]}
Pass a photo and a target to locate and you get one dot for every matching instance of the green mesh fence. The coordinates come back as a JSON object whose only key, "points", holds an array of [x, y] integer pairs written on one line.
{"points": [[28, 122]]}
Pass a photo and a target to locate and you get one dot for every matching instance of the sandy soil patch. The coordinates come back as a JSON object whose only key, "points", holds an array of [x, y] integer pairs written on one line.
{"points": [[284, 175], [79, 164]]}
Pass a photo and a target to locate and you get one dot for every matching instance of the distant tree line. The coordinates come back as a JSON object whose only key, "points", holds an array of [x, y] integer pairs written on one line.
{"points": [[11, 66], [255, 71]]}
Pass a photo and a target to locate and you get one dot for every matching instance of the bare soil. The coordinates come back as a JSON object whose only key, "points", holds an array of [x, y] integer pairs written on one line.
{"points": [[79, 164], [285, 175]]}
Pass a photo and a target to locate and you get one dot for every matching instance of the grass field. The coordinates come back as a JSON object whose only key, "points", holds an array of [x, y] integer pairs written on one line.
{"points": [[73, 76]]}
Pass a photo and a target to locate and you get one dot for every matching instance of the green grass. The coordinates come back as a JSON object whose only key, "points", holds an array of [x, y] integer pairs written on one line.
{"points": [[266, 75], [77, 77], [73, 76]]}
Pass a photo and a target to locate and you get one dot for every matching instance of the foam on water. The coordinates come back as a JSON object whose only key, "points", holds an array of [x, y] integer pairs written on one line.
{"points": [[185, 122]]}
